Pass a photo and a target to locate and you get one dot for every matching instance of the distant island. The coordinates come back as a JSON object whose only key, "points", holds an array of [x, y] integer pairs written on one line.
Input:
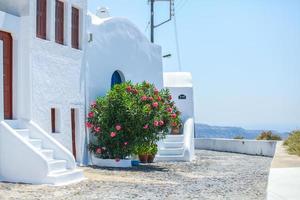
{"points": [[207, 131]]}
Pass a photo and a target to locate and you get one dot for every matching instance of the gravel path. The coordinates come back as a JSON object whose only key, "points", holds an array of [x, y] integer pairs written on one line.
{"points": [[213, 175]]}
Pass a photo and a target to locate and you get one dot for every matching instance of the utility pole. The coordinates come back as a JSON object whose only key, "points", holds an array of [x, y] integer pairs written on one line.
{"points": [[152, 25]]}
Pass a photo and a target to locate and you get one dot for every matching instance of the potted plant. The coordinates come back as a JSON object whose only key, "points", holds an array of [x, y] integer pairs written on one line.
{"points": [[127, 117], [152, 152], [177, 130]]}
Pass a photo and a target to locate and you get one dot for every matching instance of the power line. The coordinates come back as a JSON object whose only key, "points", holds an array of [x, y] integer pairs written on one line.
{"points": [[177, 43]]}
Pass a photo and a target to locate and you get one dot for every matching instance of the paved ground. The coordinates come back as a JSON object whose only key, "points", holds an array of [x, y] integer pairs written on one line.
{"points": [[213, 175]]}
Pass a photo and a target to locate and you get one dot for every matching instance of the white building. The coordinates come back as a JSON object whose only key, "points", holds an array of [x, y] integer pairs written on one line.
{"points": [[55, 59]]}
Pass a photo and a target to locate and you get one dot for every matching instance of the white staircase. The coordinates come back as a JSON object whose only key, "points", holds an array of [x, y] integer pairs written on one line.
{"points": [[178, 147], [60, 166]]}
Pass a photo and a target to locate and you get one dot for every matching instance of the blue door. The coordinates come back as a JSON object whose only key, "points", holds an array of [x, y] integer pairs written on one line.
{"points": [[116, 79]]}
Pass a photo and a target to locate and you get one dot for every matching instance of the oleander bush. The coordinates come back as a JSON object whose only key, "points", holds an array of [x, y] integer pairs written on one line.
{"points": [[293, 143], [268, 135], [128, 117]]}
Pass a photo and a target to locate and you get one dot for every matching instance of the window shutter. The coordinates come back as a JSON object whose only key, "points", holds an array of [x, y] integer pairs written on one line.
{"points": [[53, 128], [75, 28], [41, 18], [59, 22]]}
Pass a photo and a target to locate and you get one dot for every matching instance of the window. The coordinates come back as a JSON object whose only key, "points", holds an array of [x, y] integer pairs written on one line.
{"points": [[75, 28], [55, 120], [41, 18], [59, 22]]}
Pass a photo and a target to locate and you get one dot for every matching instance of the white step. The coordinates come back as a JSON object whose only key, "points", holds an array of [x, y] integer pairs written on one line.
{"points": [[16, 124], [174, 138], [169, 158], [23, 132], [57, 165], [172, 144], [37, 143], [171, 151], [66, 177], [48, 153]]}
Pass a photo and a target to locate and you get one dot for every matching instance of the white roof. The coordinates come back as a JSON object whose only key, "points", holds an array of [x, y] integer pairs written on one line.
{"points": [[178, 79]]}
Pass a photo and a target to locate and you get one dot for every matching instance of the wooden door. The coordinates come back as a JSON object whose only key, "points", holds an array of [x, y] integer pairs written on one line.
{"points": [[73, 127], [7, 74]]}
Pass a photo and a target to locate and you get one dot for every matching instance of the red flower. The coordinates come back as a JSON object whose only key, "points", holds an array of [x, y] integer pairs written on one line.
{"points": [[161, 122], [97, 129], [174, 124], [91, 115], [155, 104], [98, 150], [146, 126], [169, 109], [155, 91], [89, 125], [150, 98], [118, 127], [125, 143], [128, 88], [113, 134], [173, 115], [135, 91], [144, 98], [158, 98], [170, 97], [156, 123]]}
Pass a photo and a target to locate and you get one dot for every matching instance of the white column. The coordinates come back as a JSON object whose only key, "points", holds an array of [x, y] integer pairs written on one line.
{"points": [[1, 82]]}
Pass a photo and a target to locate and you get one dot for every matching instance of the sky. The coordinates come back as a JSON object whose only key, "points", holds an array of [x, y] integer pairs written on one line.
{"points": [[244, 56]]}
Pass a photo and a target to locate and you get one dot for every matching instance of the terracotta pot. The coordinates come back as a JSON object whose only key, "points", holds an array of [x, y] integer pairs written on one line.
{"points": [[143, 158], [175, 131], [151, 158]]}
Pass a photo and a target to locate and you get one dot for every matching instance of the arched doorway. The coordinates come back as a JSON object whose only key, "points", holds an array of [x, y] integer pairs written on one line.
{"points": [[117, 78]]}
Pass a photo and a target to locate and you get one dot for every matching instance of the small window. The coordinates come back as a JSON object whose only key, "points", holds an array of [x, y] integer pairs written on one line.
{"points": [[117, 78], [75, 28], [55, 120], [41, 18], [59, 22]]}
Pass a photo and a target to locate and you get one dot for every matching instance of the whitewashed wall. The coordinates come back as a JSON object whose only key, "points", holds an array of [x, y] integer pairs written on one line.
{"points": [[118, 45], [57, 77]]}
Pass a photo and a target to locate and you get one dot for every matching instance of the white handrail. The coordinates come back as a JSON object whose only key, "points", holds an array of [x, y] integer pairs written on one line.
{"points": [[60, 151], [188, 132]]}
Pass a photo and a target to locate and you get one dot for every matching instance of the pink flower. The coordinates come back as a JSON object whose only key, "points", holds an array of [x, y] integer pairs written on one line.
{"points": [[156, 123], [135, 91], [158, 98], [97, 129], [93, 104], [161, 122], [128, 88], [174, 124], [89, 125], [125, 143], [144, 98], [98, 150], [170, 97], [155, 91], [146, 126], [117, 159], [173, 115], [113, 134], [118, 127], [150, 98], [91, 115], [155, 104], [169, 109]]}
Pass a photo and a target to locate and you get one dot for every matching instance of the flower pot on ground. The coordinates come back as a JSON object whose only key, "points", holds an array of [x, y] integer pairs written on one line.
{"points": [[176, 130], [150, 158], [153, 149], [128, 116], [143, 158]]}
